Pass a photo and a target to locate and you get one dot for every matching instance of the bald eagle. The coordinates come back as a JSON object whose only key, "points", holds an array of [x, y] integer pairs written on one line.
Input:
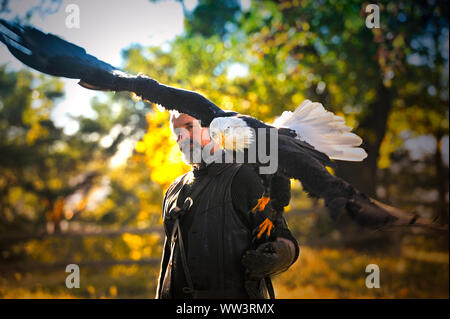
{"points": [[308, 138]]}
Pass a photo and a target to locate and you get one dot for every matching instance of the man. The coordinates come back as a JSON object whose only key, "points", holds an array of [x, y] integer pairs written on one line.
{"points": [[213, 254]]}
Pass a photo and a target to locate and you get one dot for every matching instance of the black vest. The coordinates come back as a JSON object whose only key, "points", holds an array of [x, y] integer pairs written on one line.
{"points": [[217, 237]]}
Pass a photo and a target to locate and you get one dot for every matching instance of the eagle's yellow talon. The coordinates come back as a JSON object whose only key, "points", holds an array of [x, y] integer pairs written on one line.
{"points": [[261, 204], [266, 225]]}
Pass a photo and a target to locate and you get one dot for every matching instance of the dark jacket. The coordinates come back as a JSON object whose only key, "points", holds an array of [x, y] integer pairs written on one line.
{"points": [[216, 232]]}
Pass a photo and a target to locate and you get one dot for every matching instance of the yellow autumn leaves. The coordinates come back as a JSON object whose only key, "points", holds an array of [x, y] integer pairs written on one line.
{"points": [[163, 157]]}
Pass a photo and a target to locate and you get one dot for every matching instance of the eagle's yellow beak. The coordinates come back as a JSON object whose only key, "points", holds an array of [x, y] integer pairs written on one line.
{"points": [[222, 140]]}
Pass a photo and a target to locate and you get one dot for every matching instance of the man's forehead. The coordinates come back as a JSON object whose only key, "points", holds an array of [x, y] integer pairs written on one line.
{"points": [[182, 120]]}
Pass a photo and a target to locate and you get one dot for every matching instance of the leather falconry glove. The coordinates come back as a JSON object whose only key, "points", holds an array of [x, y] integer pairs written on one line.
{"points": [[268, 259]]}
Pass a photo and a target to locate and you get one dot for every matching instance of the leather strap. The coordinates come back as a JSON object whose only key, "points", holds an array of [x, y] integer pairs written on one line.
{"points": [[269, 286], [176, 231]]}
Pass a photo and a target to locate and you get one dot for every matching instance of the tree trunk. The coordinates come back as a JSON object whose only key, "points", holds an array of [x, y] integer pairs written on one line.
{"points": [[441, 183], [372, 129]]}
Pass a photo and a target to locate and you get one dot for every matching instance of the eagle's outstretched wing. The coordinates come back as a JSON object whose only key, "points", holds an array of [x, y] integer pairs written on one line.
{"points": [[52, 55]]}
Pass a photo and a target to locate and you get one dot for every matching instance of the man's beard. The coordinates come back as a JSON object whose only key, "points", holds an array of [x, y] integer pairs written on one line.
{"points": [[191, 151]]}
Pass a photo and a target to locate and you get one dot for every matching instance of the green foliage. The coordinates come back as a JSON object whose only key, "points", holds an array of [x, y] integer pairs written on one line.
{"points": [[49, 179], [212, 18], [323, 51]]}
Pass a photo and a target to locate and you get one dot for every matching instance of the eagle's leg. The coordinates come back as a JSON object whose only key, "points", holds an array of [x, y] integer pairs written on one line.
{"points": [[265, 227], [269, 223], [265, 198], [261, 204]]}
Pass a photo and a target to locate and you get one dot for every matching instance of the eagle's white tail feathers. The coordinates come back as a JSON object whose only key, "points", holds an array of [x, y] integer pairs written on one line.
{"points": [[324, 130]]}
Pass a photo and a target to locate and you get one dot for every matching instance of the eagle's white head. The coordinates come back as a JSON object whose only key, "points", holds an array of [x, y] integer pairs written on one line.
{"points": [[231, 133]]}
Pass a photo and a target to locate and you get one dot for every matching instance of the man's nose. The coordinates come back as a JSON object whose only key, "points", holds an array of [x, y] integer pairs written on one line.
{"points": [[182, 136]]}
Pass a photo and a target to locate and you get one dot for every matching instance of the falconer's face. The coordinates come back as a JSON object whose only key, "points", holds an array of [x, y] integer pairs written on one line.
{"points": [[191, 137], [186, 127]]}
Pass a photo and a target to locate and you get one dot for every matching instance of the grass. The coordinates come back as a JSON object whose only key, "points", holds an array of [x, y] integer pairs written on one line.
{"points": [[318, 273], [333, 273]]}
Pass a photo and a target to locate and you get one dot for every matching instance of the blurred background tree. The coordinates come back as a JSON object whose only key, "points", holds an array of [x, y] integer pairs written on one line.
{"points": [[324, 51]]}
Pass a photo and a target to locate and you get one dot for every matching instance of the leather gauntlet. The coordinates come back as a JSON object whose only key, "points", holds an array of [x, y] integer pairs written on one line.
{"points": [[268, 259]]}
